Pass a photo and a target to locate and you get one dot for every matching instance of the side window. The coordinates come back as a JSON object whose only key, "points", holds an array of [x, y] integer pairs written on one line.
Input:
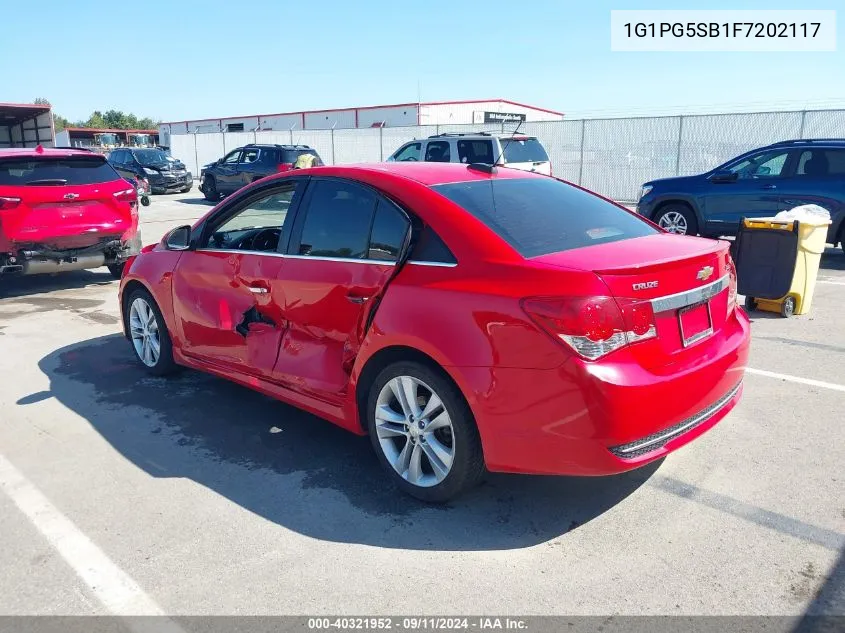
{"points": [[249, 156], [388, 234], [337, 221], [115, 158], [408, 153], [430, 248], [257, 226], [476, 152], [232, 157], [437, 152], [819, 163], [765, 165]]}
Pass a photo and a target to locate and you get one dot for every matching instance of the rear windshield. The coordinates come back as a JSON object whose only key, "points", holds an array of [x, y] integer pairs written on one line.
{"points": [[523, 150], [538, 216], [290, 155], [81, 170]]}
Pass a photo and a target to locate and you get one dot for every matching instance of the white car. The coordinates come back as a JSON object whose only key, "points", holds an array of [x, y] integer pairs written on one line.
{"points": [[508, 150]]}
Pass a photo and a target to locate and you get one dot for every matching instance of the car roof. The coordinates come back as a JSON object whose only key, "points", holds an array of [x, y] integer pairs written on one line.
{"points": [[483, 135], [426, 173], [36, 152]]}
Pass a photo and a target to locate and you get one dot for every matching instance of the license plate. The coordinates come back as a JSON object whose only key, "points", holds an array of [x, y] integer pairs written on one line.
{"points": [[696, 323]]}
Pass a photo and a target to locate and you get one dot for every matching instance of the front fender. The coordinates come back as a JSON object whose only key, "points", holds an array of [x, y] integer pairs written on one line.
{"points": [[690, 199], [154, 271]]}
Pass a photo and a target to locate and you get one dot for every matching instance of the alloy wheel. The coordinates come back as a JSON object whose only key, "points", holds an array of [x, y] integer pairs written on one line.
{"points": [[143, 328], [673, 222], [415, 431]]}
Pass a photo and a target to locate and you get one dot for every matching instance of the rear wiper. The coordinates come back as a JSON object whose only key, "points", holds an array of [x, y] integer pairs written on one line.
{"points": [[47, 181]]}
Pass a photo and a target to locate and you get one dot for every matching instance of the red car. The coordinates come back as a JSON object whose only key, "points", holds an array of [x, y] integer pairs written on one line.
{"points": [[465, 317], [64, 209]]}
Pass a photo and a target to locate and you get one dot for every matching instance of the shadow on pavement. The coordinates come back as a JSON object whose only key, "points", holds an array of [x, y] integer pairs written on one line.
{"points": [[199, 201], [11, 286], [297, 470]]}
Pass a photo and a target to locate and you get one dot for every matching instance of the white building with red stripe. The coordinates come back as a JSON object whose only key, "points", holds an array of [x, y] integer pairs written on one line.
{"points": [[395, 115]]}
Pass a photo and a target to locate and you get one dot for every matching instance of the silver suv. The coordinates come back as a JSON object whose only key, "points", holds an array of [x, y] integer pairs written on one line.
{"points": [[509, 150]]}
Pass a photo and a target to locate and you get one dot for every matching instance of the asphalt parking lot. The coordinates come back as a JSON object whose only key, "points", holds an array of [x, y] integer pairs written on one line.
{"points": [[121, 493]]}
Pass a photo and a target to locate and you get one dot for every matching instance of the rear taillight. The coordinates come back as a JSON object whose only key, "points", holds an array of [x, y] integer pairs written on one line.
{"points": [[126, 195], [729, 265], [284, 166], [593, 326], [8, 203]]}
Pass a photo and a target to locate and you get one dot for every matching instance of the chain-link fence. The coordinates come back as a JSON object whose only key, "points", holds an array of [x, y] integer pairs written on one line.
{"points": [[610, 156]]}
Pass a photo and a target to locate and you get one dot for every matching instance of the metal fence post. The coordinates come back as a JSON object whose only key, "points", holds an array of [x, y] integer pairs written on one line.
{"points": [[291, 134], [803, 119], [381, 142], [581, 159], [332, 131], [196, 156], [678, 153], [223, 134]]}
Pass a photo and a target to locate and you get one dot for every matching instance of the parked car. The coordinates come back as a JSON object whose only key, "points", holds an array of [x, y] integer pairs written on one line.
{"points": [[165, 173], [247, 164], [758, 183], [509, 150], [568, 336], [64, 209]]}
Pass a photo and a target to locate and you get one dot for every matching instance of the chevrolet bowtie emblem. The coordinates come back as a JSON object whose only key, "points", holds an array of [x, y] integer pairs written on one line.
{"points": [[705, 273]]}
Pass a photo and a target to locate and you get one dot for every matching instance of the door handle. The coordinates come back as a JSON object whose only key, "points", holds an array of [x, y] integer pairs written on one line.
{"points": [[356, 298], [258, 290], [769, 187]]}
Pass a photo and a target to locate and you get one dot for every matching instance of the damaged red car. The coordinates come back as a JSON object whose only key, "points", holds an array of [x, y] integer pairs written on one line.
{"points": [[466, 317], [64, 209]]}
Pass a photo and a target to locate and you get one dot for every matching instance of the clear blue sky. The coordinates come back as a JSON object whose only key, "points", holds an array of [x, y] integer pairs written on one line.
{"points": [[213, 58]]}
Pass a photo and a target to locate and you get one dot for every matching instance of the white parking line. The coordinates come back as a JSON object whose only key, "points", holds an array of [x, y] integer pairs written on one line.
{"points": [[798, 379], [831, 283], [117, 592]]}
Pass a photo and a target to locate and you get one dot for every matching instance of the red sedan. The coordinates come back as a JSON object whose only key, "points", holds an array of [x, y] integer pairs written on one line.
{"points": [[464, 317]]}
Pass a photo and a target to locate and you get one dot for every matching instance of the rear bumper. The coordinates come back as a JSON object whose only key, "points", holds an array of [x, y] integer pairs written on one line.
{"points": [[604, 418], [39, 259]]}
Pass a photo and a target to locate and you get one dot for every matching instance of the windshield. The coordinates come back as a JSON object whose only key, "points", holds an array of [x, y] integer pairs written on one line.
{"points": [[82, 170], [150, 156], [538, 216], [523, 150]]}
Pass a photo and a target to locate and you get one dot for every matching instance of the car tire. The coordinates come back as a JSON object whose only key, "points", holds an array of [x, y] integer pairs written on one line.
{"points": [[142, 309], [677, 218], [116, 270], [430, 451], [209, 189]]}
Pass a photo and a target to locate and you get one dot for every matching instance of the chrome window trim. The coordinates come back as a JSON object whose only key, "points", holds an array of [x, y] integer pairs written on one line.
{"points": [[690, 297], [234, 251]]}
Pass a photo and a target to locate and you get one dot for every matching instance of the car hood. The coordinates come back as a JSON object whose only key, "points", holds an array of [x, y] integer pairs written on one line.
{"points": [[166, 166], [674, 181]]}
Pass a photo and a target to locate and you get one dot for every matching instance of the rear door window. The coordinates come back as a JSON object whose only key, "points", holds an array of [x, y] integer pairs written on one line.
{"points": [[337, 220], [537, 216], [819, 163], [75, 170], [389, 229], [438, 152], [523, 150], [476, 152]]}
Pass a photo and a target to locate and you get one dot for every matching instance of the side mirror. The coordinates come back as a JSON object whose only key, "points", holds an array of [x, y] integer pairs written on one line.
{"points": [[178, 239], [724, 176]]}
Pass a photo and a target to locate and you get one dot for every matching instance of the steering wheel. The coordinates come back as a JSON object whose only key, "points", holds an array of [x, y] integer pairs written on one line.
{"points": [[264, 240]]}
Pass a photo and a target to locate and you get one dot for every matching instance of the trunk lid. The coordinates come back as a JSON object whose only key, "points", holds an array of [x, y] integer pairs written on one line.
{"points": [[685, 279], [65, 202]]}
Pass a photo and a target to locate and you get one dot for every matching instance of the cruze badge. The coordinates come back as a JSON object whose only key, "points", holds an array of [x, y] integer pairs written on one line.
{"points": [[705, 273], [645, 285]]}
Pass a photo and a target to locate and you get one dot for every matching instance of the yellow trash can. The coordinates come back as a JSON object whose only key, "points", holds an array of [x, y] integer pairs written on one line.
{"points": [[778, 263]]}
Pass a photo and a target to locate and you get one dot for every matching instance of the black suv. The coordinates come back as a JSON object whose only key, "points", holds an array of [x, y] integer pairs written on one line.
{"points": [[162, 171], [758, 183], [247, 164]]}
